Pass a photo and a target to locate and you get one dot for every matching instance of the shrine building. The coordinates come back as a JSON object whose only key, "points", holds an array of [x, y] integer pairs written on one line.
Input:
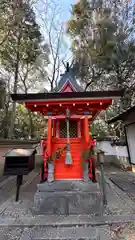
{"points": [[69, 110]]}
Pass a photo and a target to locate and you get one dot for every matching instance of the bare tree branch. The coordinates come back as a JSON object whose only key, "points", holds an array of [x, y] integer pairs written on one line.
{"points": [[54, 32]]}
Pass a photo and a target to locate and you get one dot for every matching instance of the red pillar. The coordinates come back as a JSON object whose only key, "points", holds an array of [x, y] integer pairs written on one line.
{"points": [[49, 136], [86, 130], [47, 148]]}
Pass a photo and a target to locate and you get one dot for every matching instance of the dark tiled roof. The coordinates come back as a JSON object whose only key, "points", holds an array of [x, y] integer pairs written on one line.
{"points": [[122, 116], [67, 95], [68, 77]]}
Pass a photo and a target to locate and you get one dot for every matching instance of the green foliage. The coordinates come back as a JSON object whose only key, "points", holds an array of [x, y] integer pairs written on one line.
{"points": [[56, 155], [28, 125], [24, 36], [103, 47], [21, 47], [99, 128], [85, 156]]}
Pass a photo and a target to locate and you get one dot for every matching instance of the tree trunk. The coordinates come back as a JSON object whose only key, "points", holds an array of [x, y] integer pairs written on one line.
{"points": [[5, 121], [51, 86], [31, 127], [12, 121]]}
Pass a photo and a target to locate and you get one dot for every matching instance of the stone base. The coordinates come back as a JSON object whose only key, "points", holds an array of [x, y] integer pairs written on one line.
{"points": [[68, 233], [68, 197]]}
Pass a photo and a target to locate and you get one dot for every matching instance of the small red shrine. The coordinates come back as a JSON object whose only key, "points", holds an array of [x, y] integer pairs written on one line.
{"points": [[69, 110]]}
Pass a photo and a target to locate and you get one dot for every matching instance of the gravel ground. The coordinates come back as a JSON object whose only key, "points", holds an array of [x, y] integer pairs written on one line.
{"points": [[117, 205], [8, 187], [123, 231]]}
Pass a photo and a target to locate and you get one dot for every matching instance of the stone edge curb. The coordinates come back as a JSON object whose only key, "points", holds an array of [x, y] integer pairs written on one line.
{"points": [[68, 222]]}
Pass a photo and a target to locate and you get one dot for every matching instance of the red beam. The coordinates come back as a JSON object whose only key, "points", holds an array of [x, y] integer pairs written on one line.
{"points": [[68, 102], [74, 109]]}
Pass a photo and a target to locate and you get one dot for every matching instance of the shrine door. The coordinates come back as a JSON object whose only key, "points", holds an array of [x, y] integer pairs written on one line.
{"points": [[73, 171]]}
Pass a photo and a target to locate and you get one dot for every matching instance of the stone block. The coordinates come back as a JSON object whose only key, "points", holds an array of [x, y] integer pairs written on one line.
{"points": [[50, 177], [69, 186], [68, 198]]}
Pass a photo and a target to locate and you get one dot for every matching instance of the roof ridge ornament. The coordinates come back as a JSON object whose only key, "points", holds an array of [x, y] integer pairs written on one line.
{"points": [[67, 67], [68, 78]]}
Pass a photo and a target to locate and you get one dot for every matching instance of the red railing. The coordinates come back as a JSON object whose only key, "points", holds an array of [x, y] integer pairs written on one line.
{"points": [[91, 161]]}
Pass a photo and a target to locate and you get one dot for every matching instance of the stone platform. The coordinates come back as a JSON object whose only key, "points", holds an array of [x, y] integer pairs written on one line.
{"points": [[68, 197]]}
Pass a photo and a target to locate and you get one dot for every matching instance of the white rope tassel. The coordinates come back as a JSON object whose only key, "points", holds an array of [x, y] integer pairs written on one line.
{"points": [[68, 159]]}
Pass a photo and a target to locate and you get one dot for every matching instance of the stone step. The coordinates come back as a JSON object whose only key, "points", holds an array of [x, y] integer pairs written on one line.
{"points": [[69, 203], [68, 233], [61, 227], [68, 197], [69, 186], [60, 221]]}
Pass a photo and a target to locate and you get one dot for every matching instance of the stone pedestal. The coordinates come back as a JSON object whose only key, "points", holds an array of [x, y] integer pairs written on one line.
{"points": [[50, 172], [85, 173], [68, 197]]}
